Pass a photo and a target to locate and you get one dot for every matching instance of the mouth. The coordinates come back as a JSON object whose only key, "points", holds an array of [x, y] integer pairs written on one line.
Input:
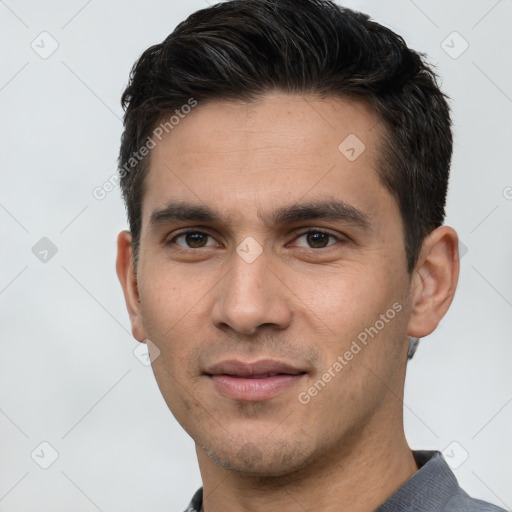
{"points": [[254, 381]]}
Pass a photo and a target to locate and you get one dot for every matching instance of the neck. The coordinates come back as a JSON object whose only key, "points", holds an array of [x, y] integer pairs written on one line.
{"points": [[358, 479]]}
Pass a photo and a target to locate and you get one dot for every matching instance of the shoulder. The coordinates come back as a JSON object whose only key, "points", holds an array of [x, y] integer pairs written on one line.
{"points": [[462, 502], [435, 487]]}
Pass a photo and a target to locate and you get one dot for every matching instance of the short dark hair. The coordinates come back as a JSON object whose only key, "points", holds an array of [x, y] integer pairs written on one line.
{"points": [[243, 49]]}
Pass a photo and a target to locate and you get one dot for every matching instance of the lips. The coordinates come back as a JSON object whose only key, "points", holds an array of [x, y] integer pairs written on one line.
{"points": [[253, 381], [253, 370]]}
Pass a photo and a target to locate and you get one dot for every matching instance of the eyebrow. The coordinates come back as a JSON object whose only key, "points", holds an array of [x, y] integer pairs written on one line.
{"points": [[334, 210]]}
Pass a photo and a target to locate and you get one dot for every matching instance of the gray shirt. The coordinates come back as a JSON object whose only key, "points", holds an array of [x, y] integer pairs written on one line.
{"points": [[433, 488]]}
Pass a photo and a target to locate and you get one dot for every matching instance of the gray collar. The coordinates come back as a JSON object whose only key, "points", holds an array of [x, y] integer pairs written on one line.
{"points": [[430, 488]]}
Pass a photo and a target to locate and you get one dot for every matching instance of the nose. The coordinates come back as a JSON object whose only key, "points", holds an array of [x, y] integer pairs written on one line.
{"points": [[252, 295]]}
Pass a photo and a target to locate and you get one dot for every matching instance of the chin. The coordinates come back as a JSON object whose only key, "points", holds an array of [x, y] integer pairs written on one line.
{"points": [[266, 460]]}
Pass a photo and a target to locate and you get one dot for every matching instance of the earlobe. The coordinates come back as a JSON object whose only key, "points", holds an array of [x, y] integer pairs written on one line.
{"points": [[127, 278], [434, 281]]}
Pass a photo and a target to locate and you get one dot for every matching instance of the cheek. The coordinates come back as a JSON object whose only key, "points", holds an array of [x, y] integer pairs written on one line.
{"points": [[363, 316], [170, 300], [345, 300], [168, 317]]}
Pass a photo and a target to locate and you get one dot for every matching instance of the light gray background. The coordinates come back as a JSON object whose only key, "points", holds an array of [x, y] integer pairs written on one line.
{"points": [[68, 373]]}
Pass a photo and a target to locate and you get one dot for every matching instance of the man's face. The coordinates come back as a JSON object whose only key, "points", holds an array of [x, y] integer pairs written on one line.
{"points": [[253, 287]]}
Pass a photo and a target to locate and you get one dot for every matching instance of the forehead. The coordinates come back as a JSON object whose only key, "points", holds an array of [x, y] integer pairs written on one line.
{"points": [[282, 148]]}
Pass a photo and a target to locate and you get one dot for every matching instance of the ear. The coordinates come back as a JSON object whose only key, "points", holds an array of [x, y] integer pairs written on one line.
{"points": [[128, 280], [434, 281]]}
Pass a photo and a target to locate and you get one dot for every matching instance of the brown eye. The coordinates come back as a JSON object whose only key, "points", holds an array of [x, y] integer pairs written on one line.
{"points": [[193, 239], [317, 239]]}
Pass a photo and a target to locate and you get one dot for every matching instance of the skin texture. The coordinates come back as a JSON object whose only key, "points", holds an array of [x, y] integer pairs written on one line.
{"points": [[299, 302]]}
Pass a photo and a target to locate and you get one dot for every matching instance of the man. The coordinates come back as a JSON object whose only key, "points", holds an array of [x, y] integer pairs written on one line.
{"points": [[285, 166]]}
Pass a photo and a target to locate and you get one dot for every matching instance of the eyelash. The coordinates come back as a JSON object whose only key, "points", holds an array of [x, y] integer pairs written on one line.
{"points": [[299, 235]]}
